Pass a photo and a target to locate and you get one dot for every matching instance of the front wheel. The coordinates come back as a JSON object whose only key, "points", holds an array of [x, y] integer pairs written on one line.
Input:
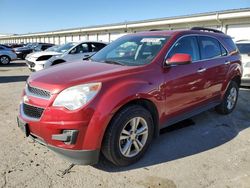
{"points": [[230, 99], [128, 136], [4, 60]]}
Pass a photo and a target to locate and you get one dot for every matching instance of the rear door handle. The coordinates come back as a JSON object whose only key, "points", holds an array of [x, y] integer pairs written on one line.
{"points": [[200, 70]]}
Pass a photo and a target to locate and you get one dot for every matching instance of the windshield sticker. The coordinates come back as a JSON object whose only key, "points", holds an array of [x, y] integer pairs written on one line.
{"points": [[153, 40]]}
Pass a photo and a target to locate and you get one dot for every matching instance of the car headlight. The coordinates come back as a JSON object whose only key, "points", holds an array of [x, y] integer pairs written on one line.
{"points": [[75, 97]]}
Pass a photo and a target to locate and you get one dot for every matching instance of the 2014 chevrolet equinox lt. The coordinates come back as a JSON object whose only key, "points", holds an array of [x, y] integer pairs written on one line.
{"points": [[117, 102]]}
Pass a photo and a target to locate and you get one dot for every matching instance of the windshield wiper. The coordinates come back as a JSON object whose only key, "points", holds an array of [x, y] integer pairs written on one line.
{"points": [[113, 62]]}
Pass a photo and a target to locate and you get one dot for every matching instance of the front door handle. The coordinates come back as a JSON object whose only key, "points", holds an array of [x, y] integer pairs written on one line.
{"points": [[227, 62], [200, 70]]}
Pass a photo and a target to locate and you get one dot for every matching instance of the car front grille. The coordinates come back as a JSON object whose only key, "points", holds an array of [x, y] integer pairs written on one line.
{"points": [[36, 92], [32, 111]]}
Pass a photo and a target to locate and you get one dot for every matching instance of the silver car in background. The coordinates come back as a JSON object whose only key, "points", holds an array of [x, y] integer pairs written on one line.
{"points": [[69, 52], [6, 55], [244, 48]]}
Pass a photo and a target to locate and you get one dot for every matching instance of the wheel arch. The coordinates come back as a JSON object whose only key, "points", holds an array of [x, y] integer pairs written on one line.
{"points": [[145, 103]]}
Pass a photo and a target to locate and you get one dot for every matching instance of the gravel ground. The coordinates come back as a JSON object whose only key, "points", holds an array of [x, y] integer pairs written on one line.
{"points": [[208, 151]]}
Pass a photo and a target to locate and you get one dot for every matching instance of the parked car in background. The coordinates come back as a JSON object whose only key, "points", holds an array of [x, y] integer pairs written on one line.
{"points": [[131, 89], [6, 55], [14, 45], [244, 48], [69, 52], [22, 52]]}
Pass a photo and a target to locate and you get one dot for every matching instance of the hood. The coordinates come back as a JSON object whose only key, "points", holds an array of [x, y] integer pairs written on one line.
{"points": [[62, 76], [42, 53]]}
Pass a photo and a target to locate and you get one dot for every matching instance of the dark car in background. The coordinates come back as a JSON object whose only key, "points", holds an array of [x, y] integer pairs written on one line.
{"points": [[14, 45], [22, 52]]}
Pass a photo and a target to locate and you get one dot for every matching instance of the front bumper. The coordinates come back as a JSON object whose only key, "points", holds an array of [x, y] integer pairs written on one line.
{"points": [[34, 66], [79, 157]]}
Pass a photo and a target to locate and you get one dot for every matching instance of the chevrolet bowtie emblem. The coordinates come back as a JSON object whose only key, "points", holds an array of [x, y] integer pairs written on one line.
{"points": [[25, 99]]}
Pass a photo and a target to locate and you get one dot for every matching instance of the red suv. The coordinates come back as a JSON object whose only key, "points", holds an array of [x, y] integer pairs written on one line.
{"points": [[117, 102]]}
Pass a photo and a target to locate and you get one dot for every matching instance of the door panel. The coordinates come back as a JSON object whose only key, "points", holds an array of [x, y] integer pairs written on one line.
{"points": [[184, 84], [184, 88], [216, 64]]}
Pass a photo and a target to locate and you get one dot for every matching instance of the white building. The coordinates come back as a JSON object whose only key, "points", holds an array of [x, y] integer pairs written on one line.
{"points": [[232, 22]]}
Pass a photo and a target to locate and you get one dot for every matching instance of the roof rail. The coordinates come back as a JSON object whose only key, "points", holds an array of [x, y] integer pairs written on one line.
{"points": [[206, 29]]}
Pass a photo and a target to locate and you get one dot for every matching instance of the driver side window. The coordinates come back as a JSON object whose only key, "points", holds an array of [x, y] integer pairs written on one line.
{"points": [[186, 45], [82, 48]]}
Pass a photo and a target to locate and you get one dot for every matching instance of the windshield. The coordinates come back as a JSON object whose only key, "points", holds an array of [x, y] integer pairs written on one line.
{"points": [[131, 50], [53, 48], [65, 47], [244, 48]]}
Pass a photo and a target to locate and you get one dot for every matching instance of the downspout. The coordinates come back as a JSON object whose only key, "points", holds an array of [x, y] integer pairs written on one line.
{"points": [[219, 21]]}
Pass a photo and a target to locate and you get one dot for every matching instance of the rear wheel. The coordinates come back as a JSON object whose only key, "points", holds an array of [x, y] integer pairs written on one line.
{"points": [[4, 60], [128, 136], [230, 99]]}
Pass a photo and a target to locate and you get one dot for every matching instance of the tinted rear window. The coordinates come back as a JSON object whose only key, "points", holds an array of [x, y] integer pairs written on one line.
{"points": [[210, 47], [230, 44]]}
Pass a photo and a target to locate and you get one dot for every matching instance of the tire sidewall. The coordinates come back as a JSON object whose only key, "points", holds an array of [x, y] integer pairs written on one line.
{"points": [[5, 63], [235, 85], [121, 122]]}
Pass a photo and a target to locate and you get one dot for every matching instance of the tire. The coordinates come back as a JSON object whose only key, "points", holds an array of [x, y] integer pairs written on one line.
{"points": [[24, 56], [114, 149], [230, 99], [4, 60]]}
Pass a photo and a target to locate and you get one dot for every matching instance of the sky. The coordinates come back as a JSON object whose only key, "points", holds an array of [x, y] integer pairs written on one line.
{"points": [[27, 16]]}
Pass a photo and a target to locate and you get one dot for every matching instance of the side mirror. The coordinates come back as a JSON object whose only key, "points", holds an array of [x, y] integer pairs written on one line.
{"points": [[179, 59]]}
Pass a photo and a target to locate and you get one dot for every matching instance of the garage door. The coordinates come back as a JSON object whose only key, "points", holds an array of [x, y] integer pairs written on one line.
{"points": [[56, 40], [103, 37], [115, 36], [93, 37], [62, 39], [75, 38], [83, 37], [69, 38], [239, 32]]}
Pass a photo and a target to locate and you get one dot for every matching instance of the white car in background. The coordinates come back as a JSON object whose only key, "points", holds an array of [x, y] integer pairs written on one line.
{"points": [[69, 52], [6, 55], [244, 48]]}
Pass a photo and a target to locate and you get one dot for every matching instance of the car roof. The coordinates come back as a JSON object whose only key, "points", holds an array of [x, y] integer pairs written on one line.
{"points": [[184, 31]]}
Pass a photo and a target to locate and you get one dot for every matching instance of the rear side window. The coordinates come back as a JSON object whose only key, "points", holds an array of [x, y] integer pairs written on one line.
{"points": [[186, 45], [230, 44], [209, 47], [95, 47]]}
